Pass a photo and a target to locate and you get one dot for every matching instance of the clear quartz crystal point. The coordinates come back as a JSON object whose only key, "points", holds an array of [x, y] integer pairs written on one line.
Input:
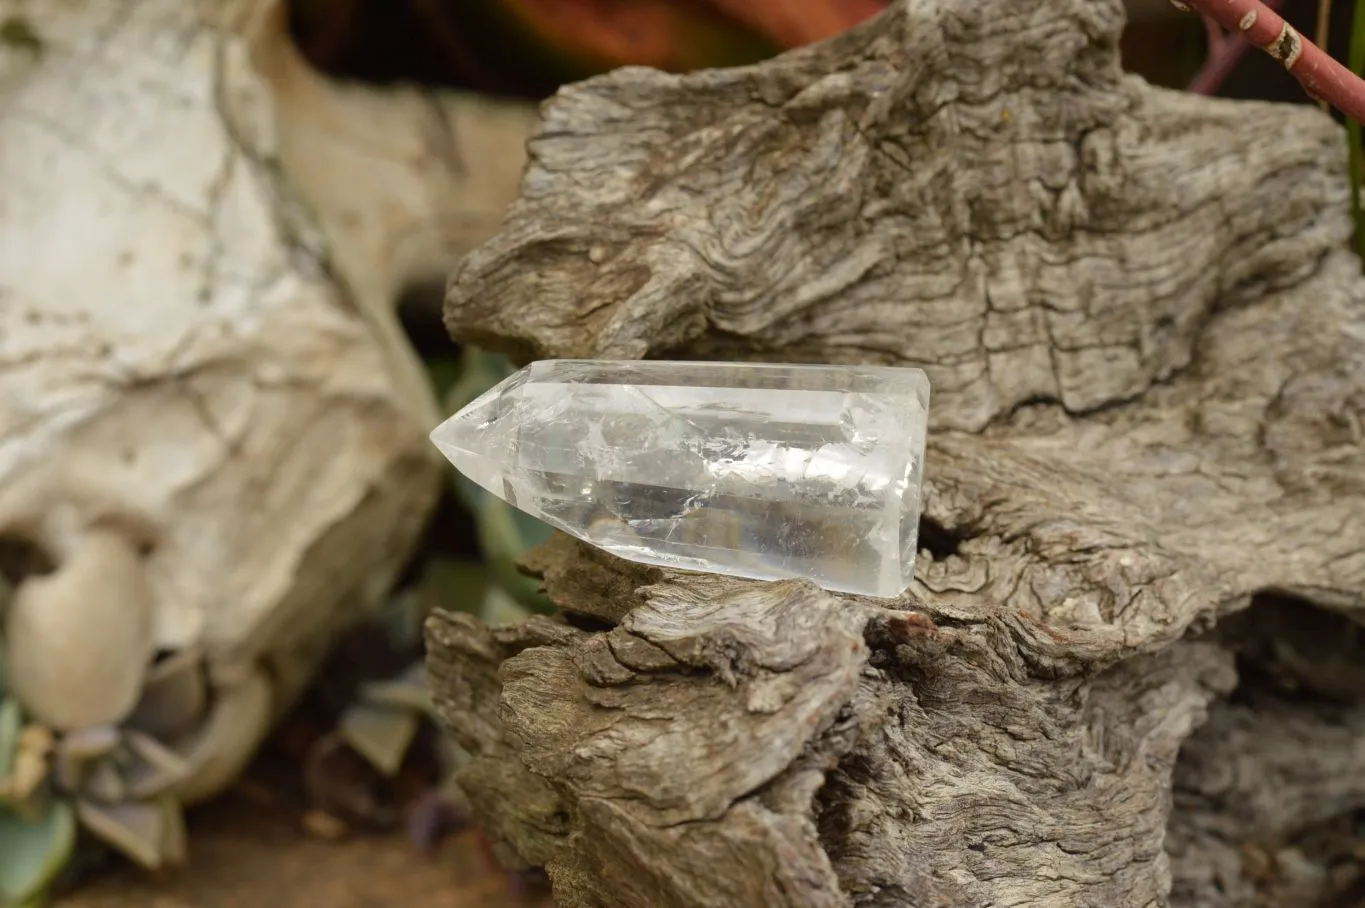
{"points": [[749, 469]]}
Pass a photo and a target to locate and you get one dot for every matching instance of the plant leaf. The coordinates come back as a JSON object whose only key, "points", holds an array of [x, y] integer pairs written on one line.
{"points": [[33, 852], [479, 371], [500, 608], [380, 734], [593, 36], [444, 372], [11, 722], [140, 830], [455, 586], [792, 23], [505, 534], [5, 591]]}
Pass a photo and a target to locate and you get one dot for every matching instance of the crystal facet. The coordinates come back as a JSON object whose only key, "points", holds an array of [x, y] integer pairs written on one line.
{"points": [[749, 469]]}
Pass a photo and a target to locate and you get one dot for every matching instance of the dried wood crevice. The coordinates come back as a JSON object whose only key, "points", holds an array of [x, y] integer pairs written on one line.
{"points": [[1146, 335]]}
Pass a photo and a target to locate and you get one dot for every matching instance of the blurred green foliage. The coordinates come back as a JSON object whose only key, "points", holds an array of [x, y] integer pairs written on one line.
{"points": [[37, 829], [382, 722], [504, 532]]}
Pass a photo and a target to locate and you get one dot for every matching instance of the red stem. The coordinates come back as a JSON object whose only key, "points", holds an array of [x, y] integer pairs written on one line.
{"points": [[1225, 51], [1321, 76]]}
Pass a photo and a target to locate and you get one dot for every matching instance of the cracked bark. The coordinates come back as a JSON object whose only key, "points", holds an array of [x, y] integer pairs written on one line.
{"points": [[1147, 342]]}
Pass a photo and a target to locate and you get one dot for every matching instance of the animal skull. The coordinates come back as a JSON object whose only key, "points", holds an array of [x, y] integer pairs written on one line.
{"points": [[212, 430]]}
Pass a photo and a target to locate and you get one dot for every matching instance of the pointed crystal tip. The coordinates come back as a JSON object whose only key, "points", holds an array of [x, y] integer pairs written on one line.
{"points": [[748, 469]]}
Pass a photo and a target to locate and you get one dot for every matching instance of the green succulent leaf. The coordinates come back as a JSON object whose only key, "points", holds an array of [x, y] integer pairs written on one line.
{"points": [[479, 371], [149, 832], [382, 735], [455, 586], [500, 608], [11, 722], [6, 594], [406, 690], [444, 372], [505, 534], [33, 852]]}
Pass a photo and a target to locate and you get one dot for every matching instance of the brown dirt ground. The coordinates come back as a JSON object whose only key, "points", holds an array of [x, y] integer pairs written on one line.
{"points": [[246, 852]]}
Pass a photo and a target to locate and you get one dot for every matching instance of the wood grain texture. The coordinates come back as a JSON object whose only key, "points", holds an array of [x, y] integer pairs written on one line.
{"points": [[1146, 336]]}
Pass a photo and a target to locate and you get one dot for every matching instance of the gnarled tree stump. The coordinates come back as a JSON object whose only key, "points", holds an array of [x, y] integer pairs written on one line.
{"points": [[1130, 664]]}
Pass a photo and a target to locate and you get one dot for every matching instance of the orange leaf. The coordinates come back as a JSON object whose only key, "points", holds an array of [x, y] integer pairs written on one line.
{"points": [[665, 34], [792, 23]]}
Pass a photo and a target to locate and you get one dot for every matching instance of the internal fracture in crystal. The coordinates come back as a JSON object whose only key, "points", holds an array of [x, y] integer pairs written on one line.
{"points": [[748, 469]]}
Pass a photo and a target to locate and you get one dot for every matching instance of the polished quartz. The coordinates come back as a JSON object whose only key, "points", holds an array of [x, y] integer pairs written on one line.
{"points": [[748, 469]]}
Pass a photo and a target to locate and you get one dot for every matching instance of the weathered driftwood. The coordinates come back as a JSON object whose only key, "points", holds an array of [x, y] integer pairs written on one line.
{"points": [[1147, 338]]}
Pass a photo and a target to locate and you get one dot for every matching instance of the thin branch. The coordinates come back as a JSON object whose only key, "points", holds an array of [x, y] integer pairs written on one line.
{"points": [[1215, 38], [1324, 23], [1321, 76], [1355, 59], [1225, 52], [1324, 27]]}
